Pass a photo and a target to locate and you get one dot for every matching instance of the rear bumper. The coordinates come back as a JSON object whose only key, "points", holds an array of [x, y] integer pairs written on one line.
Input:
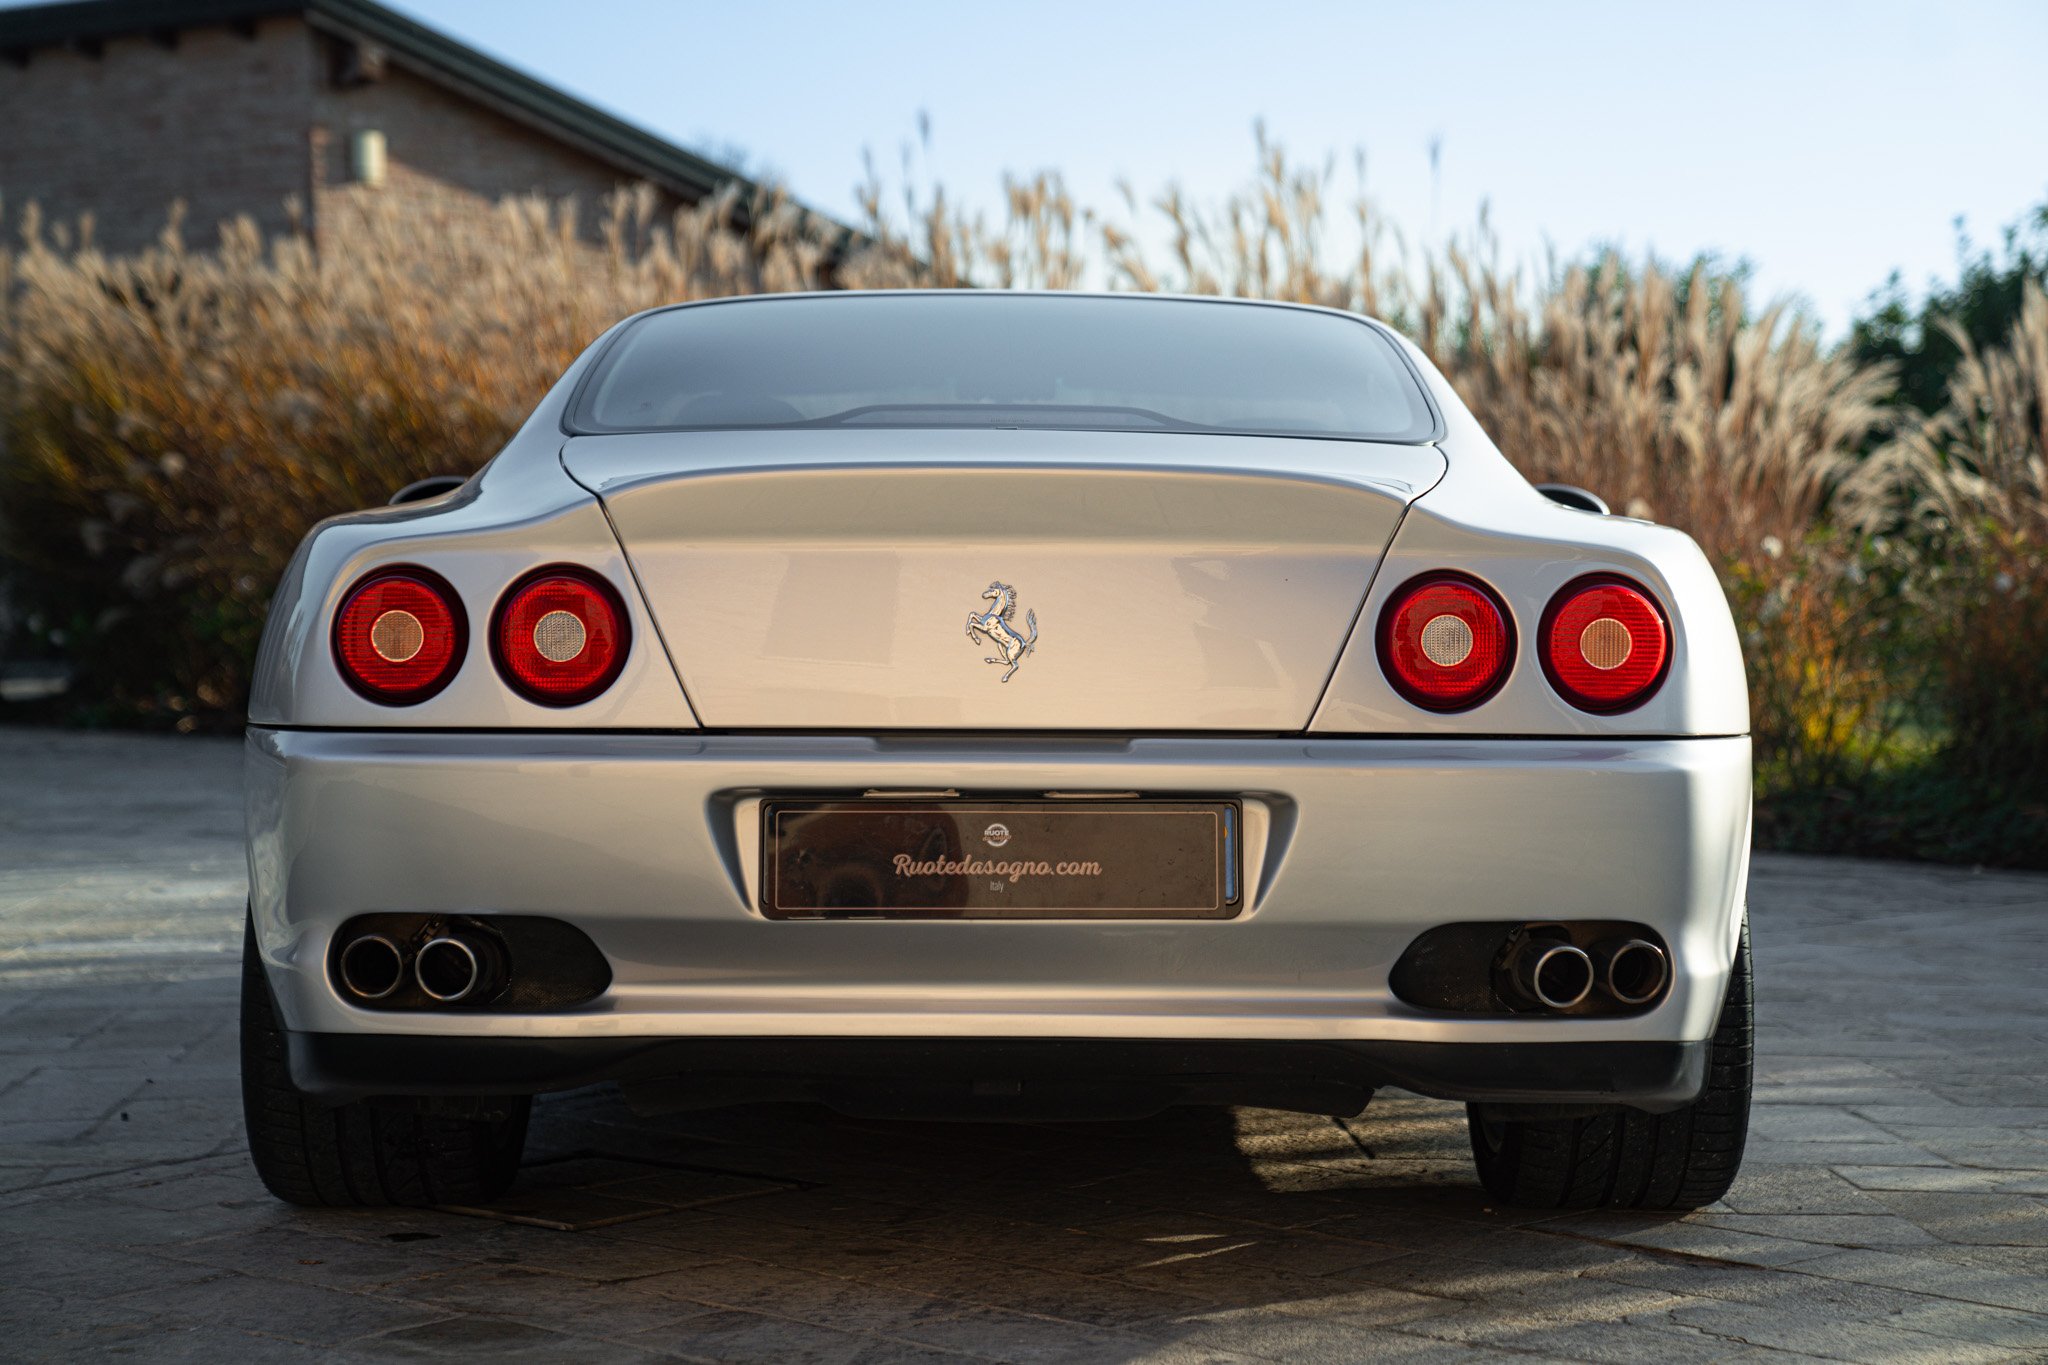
{"points": [[649, 843], [994, 1078]]}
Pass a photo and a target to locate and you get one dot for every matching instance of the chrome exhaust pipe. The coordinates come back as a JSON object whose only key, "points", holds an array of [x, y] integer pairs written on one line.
{"points": [[1633, 970], [1555, 974], [371, 967], [451, 969]]}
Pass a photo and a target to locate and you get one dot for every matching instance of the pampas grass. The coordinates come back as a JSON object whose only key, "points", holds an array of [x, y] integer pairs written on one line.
{"points": [[174, 420]]}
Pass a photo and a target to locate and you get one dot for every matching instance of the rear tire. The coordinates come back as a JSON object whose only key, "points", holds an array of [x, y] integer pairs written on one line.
{"points": [[356, 1154], [1623, 1157]]}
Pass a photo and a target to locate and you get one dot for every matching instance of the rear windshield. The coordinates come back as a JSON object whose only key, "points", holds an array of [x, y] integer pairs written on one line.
{"points": [[1005, 360]]}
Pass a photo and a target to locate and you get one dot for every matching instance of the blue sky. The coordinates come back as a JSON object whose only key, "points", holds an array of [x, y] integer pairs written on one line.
{"points": [[1829, 144]]}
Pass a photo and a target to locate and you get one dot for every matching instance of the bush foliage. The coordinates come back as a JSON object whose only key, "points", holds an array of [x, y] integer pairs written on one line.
{"points": [[175, 420]]}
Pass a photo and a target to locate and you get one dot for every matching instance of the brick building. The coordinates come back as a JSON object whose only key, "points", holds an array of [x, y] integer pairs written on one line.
{"points": [[289, 111]]}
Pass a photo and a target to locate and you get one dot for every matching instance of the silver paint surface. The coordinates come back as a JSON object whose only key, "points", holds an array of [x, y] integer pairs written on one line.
{"points": [[814, 578], [1202, 591], [647, 843]]}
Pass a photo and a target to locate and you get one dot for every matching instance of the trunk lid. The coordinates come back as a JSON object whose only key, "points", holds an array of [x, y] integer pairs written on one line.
{"points": [[1121, 581]]}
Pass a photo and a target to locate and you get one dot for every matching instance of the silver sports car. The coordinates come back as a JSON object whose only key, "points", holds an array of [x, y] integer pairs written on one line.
{"points": [[949, 705]]}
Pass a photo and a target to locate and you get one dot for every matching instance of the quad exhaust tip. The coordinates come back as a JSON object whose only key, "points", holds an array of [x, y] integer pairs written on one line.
{"points": [[372, 967], [448, 969], [1634, 971], [1588, 967], [1555, 975], [461, 962]]}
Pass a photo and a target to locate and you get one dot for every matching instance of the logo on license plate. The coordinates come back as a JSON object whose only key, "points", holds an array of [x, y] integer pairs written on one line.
{"points": [[996, 835]]}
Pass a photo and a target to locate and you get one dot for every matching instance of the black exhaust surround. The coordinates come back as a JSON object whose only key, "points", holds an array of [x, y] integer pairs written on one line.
{"points": [[1484, 967], [528, 963]]}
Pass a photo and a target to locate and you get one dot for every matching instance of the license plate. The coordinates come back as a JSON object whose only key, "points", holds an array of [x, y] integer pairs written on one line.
{"points": [[1124, 859]]}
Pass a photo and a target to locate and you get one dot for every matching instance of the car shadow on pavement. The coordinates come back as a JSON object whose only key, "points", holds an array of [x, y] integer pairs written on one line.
{"points": [[1246, 1231]]}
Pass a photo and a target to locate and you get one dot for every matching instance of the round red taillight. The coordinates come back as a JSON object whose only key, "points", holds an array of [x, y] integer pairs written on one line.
{"points": [[560, 635], [1446, 642], [1606, 646], [400, 635]]}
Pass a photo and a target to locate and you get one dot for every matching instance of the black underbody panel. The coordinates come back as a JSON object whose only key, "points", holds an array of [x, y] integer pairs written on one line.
{"points": [[1001, 1078]]}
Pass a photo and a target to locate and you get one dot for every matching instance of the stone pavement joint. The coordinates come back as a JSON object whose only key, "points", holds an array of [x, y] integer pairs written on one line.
{"points": [[1894, 1206]]}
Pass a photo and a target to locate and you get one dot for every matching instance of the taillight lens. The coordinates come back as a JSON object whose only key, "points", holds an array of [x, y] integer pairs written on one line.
{"points": [[1606, 646], [560, 635], [400, 635], [1446, 642]]}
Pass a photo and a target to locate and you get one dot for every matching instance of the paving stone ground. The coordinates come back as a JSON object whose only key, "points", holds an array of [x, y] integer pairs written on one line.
{"points": [[1894, 1206]]}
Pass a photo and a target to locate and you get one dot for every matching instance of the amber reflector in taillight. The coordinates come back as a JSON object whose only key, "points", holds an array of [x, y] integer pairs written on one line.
{"points": [[400, 635], [560, 635], [1606, 647], [1445, 642]]}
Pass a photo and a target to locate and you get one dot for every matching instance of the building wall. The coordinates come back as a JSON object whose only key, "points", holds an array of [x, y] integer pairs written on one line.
{"points": [[233, 124], [218, 120], [446, 154]]}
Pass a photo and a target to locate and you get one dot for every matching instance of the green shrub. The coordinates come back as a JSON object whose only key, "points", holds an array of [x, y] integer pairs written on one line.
{"points": [[1827, 640]]}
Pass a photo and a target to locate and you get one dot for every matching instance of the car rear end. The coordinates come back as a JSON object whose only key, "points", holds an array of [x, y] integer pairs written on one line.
{"points": [[1000, 749]]}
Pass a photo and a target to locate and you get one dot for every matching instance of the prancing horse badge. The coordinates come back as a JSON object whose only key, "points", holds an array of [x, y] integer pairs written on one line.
{"points": [[995, 624]]}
